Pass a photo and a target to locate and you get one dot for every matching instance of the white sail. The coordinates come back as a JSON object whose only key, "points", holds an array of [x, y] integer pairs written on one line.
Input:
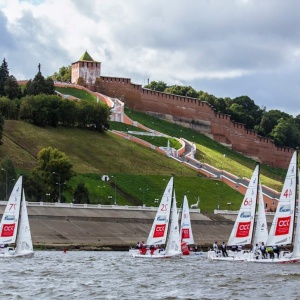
{"points": [[10, 218], [261, 230], [173, 244], [281, 232], [243, 228], [160, 225], [296, 248], [24, 241], [186, 234]]}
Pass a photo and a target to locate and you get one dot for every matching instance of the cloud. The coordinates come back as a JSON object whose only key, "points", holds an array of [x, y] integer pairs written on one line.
{"points": [[227, 48]]}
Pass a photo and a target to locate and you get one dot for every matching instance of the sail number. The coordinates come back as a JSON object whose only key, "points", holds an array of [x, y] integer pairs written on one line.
{"points": [[164, 207], [288, 193], [248, 202], [12, 205]]}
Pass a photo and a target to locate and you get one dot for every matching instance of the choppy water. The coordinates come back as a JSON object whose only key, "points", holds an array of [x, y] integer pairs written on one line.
{"points": [[115, 275]]}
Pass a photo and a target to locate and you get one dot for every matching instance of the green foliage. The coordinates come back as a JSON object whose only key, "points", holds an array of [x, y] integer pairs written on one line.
{"points": [[39, 85], [81, 194], [64, 74], [159, 86], [93, 114], [4, 73], [35, 188], [8, 176], [286, 133], [78, 93], [1, 127], [269, 120], [9, 108], [41, 109], [12, 88], [55, 169], [52, 110]]}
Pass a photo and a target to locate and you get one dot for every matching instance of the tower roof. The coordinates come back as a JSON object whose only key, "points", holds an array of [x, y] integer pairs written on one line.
{"points": [[86, 57]]}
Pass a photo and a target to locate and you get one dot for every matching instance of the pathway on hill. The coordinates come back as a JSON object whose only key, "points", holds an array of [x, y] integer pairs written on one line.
{"points": [[186, 157]]}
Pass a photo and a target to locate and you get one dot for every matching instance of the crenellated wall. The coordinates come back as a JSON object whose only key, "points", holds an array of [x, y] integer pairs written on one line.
{"points": [[198, 115]]}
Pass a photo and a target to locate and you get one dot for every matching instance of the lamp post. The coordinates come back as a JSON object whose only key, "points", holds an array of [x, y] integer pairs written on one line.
{"points": [[218, 187], [143, 190], [156, 202], [5, 182], [115, 189], [59, 194]]}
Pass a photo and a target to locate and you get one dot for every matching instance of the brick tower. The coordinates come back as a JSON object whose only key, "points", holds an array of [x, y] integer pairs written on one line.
{"points": [[85, 69]]}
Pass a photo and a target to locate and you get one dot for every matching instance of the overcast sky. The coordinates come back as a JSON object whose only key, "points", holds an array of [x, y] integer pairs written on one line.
{"points": [[228, 48]]}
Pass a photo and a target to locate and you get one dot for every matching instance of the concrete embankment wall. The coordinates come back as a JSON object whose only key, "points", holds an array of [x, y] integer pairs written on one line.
{"points": [[113, 228]]}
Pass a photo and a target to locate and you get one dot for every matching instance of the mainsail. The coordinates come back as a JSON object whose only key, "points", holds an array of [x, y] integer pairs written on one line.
{"points": [[281, 232], [261, 229], [10, 218], [24, 241], [186, 234], [159, 230], [243, 228], [173, 243]]}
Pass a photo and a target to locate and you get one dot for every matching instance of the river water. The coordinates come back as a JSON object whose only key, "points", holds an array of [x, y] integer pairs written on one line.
{"points": [[115, 275]]}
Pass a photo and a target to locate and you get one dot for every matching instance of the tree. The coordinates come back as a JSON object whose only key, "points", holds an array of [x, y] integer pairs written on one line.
{"points": [[35, 188], [12, 88], [40, 86], [81, 194], [9, 108], [91, 114], [55, 168], [4, 73], [8, 176], [286, 133], [64, 74], [41, 109], [1, 127], [269, 120], [159, 86]]}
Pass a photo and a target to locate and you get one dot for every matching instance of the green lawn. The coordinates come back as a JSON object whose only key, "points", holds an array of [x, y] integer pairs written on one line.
{"points": [[81, 94]]}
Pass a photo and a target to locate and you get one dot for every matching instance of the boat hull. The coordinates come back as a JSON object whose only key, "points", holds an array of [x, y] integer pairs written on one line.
{"points": [[154, 254]]}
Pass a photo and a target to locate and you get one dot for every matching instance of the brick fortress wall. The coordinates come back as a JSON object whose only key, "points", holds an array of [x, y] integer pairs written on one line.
{"points": [[198, 115]]}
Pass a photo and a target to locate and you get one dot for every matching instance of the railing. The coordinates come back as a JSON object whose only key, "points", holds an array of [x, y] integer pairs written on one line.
{"points": [[235, 212], [94, 206]]}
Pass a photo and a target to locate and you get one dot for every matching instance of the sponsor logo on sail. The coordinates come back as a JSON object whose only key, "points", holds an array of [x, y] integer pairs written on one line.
{"points": [[285, 208], [8, 230], [161, 218], [9, 217], [159, 230], [243, 229], [245, 215], [283, 226], [185, 233]]}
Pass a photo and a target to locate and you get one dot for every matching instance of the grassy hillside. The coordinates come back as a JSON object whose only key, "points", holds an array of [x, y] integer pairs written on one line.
{"points": [[138, 174]]}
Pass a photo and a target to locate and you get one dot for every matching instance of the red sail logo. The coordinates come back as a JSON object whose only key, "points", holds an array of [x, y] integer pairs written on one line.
{"points": [[8, 230], [159, 230], [185, 233], [283, 226], [243, 229]]}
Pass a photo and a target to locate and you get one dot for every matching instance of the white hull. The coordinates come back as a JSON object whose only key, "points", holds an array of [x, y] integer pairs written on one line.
{"points": [[156, 254], [247, 256], [232, 255], [11, 253]]}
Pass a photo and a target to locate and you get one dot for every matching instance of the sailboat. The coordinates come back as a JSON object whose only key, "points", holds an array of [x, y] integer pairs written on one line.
{"points": [[242, 232], [14, 226], [284, 230], [163, 233], [186, 233]]}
